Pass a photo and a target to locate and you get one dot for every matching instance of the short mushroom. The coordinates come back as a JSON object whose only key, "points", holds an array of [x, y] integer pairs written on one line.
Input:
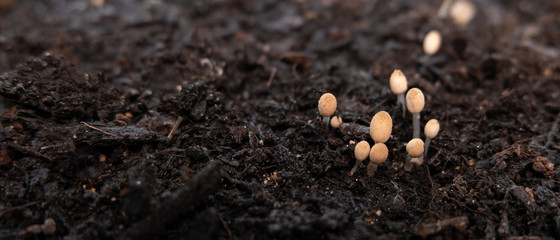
{"points": [[432, 42], [381, 127], [430, 131], [336, 122], [361, 152], [415, 105], [377, 156], [399, 85], [327, 107], [462, 12], [415, 149]]}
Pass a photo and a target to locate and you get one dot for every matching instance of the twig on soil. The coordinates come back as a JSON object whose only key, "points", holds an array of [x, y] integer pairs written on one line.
{"points": [[94, 128], [226, 227], [28, 151], [175, 127], [272, 74], [426, 229], [17, 208], [429, 175]]}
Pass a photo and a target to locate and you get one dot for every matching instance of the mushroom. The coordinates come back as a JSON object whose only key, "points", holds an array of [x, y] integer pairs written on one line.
{"points": [[380, 127], [462, 12], [377, 156], [327, 106], [399, 85], [430, 131], [415, 104], [336, 122], [361, 152], [415, 148], [432, 42]]}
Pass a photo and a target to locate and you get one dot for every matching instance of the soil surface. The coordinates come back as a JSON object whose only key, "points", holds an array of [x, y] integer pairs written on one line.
{"points": [[90, 92]]}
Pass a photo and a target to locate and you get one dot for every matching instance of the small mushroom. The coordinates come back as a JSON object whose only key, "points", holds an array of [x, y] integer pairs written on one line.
{"points": [[432, 42], [336, 122], [415, 149], [462, 12], [430, 131], [361, 152], [327, 107], [415, 105], [381, 127], [399, 85], [377, 156]]}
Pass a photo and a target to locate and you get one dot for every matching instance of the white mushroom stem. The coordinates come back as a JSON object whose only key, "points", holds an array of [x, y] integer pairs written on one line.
{"points": [[327, 121], [401, 101], [444, 9], [408, 164], [416, 125], [371, 169], [355, 167], [426, 146], [418, 161]]}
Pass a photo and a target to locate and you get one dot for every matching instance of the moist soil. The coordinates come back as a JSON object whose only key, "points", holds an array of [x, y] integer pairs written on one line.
{"points": [[91, 91]]}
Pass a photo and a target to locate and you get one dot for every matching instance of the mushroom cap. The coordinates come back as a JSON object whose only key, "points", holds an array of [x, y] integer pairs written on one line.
{"points": [[431, 129], [432, 42], [378, 153], [336, 121], [327, 105], [381, 127], [415, 100], [398, 82], [361, 151], [462, 12], [415, 147]]}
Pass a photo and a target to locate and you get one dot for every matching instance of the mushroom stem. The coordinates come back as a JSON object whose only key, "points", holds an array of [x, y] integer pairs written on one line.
{"points": [[371, 169], [426, 146], [356, 165], [327, 121], [401, 101], [418, 161], [444, 9], [407, 164], [416, 125]]}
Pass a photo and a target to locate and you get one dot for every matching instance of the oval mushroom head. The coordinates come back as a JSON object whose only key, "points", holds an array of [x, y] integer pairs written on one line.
{"points": [[432, 42], [381, 127], [378, 153], [398, 82], [336, 121], [361, 151], [431, 129], [327, 105], [415, 100], [415, 147], [462, 12]]}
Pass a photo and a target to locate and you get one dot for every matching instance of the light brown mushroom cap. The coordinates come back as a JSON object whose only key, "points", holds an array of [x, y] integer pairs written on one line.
{"points": [[431, 129], [327, 105], [336, 121], [462, 12], [415, 100], [361, 151], [415, 147], [432, 42], [398, 82], [378, 153], [381, 127]]}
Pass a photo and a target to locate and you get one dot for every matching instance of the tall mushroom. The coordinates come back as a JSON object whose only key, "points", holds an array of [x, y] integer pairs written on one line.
{"points": [[399, 84], [415, 105]]}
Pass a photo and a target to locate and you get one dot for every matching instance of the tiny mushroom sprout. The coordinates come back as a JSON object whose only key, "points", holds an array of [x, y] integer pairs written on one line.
{"points": [[381, 127], [415, 149], [377, 156], [430, 131], [399, 85], [415, 104], [327, 106], [336, 122], [432, 42], [361, 152], [462, 12]]}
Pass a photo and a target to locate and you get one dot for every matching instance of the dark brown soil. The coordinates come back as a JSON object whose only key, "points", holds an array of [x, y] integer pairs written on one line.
{"points": [[90, 93]]}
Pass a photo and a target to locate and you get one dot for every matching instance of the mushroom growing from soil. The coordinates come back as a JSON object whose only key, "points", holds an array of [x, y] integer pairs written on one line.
{"points": [[462, 12], [327, 106], [415, 105], [377, 156], [361, 152], [430, 131], [399, 85], [415, 149], [336, 122], [380, 127], [432, 42]]}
